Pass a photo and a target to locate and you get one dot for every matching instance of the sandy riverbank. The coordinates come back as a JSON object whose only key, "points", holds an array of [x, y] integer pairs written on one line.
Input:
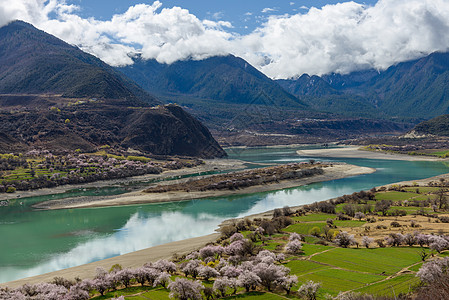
{"points": [[355, 152], [333, 172], [209, 165], [129, 260]]}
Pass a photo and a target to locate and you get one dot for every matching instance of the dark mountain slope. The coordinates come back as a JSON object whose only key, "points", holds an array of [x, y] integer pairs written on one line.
{"points": [[436, 126], [164, 130], [234, 99], [228, 79], [414, 89], [308, 86], [418, 88], [55, 96], [32, 61]]}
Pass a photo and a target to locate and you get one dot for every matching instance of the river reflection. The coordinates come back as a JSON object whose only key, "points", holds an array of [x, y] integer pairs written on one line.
{"points": [[36, 242]]}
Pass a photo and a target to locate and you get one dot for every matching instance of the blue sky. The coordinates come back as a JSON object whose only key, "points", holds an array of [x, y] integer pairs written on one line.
{"points": [[235, 11], [282, 39]]}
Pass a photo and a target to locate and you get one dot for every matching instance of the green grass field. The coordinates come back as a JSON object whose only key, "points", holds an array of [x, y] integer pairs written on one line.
{"points": [[314, 217], [394, 286], [335, 280], [379, 271], [302, 267], [304, 228], [374, 261], [395, 196], [442, 153], [422, 189]]}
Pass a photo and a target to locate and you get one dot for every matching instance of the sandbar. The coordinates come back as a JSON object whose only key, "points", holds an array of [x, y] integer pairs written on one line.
{"points": [[335, 171], [356, 152], [218, 164]]}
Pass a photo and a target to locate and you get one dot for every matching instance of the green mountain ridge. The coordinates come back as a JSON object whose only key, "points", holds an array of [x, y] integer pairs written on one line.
{"points": [[416, 89], [228, 79], [32, 61]]}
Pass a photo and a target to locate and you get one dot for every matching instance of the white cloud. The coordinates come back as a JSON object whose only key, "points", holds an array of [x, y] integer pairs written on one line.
{"points": [[267, 10], [165, 34], [336, 38], [216, 15], [348, 36]]}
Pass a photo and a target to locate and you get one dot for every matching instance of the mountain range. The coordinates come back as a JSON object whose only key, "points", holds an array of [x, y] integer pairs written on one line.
{"points": [[416, 89], [54, 95], [43, 76], [409, 91]]}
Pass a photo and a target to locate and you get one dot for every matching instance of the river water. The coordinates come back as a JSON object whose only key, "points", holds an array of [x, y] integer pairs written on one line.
{"points": [[35, 242]]}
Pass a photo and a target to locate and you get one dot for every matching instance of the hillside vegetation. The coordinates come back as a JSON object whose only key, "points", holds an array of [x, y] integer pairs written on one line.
{"points": [[436, 126]]}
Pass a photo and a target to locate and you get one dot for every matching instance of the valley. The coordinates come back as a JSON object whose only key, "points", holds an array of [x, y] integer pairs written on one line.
{"points": [[399, 277], [143, 176]]}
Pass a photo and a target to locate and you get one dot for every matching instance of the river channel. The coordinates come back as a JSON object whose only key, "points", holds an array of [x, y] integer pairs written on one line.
{"points": [[34, 242]]}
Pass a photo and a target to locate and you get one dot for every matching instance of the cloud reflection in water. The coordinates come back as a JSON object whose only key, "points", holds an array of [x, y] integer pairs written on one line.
{"points": [[138, 233]]}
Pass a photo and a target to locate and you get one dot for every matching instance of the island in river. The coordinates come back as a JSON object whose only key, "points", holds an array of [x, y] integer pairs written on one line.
{"points": [[249, 181]]}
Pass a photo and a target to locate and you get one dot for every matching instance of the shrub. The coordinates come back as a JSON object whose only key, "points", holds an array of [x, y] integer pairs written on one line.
{"points": [[184, 289], [382, 206], [115, 268], [309, 290], [269, 274], [249, 280], [287, 282], [342, 217], [395, 224], [366, 241], [438, 243], [343, 239], [380, 243], [228, 230], [207, 272], [397, 212], [444, 219], [359, 215], [394, 239], [293, 246], [221, 285], [330, 223], [11, 189], [315, 231]]}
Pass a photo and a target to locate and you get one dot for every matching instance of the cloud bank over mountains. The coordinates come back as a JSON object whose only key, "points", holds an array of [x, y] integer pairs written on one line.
{"points": [[335, 38]]}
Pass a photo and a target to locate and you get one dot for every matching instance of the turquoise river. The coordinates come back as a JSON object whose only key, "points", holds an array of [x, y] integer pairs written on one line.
{"points": [[35, 242]]}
